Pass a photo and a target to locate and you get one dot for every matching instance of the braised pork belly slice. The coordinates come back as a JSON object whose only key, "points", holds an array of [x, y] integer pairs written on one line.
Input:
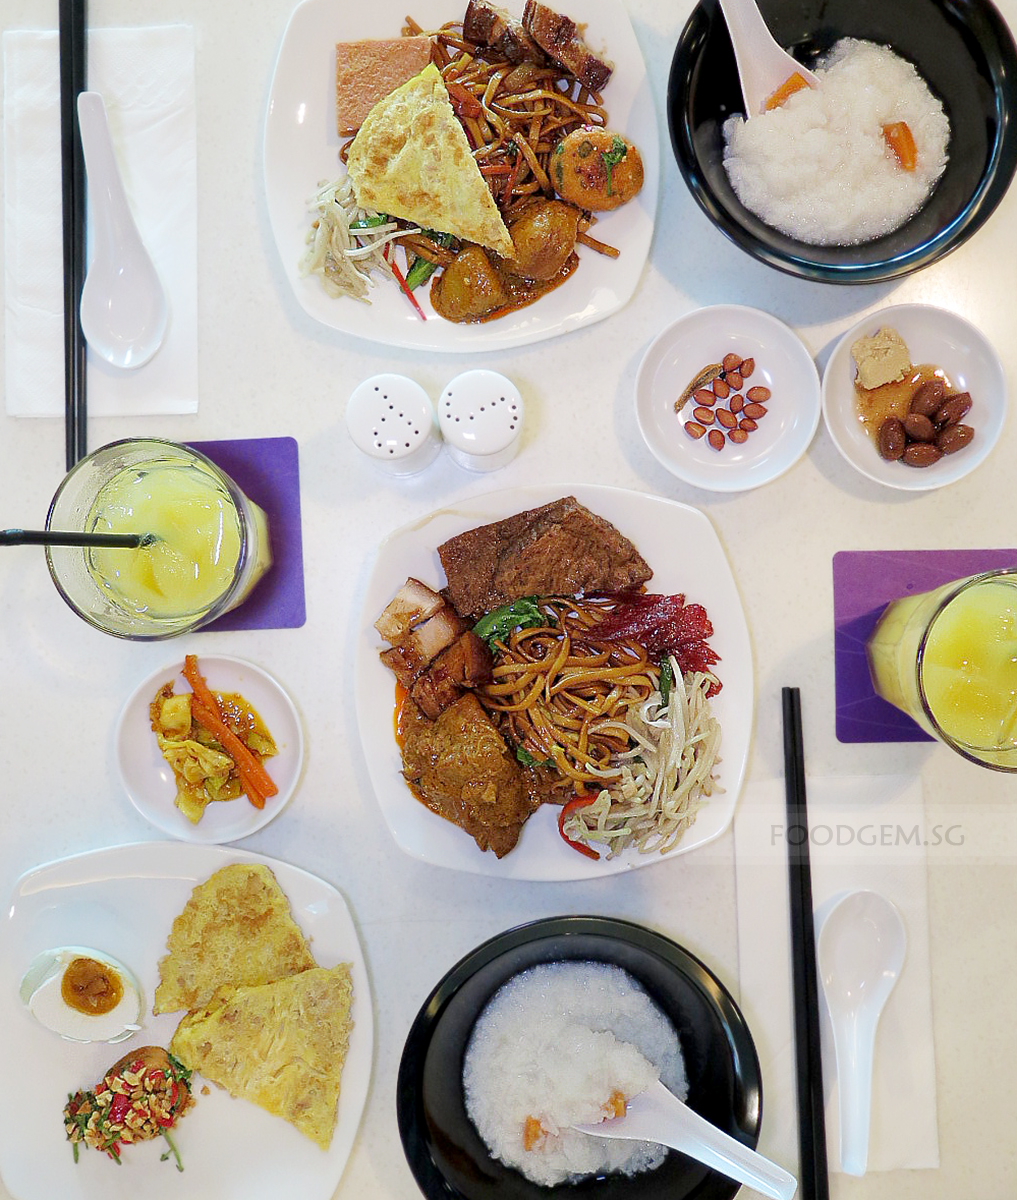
{"points": [[467, 663], [423, 644], [488, 25], [560, 37], [413, 603]]}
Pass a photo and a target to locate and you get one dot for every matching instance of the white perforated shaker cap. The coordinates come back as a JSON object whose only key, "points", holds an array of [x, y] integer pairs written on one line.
{"points": [[390, 418], [481, 417]]}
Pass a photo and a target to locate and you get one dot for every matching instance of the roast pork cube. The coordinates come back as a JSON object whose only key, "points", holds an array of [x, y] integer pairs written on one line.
{"points": [[466, 663], [413, 603], [423, 644]]}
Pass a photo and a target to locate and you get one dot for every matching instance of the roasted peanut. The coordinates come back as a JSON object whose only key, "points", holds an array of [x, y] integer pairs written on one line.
{"points": [[736, 404], [919, 428], [747, 424], [694, 429], [726, 418], [758, 394], [891, 439], [954, 437], [734, 381], [738, 435], [747, 367], [716, 439], [921, 454], [721, 389], [704, 396], [731, 362], [755, 411], [703, 415]]}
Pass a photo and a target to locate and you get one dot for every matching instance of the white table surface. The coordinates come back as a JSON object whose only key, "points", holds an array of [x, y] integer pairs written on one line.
{"points": [[266, 369]]}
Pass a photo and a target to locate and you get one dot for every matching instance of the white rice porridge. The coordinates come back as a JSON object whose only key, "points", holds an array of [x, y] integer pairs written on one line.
{"points": [[818, 169], [551, 1046]]}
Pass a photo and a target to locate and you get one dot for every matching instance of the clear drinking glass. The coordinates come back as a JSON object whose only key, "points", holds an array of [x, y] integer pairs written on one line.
{"points": [[948, 658], [211, 542]]}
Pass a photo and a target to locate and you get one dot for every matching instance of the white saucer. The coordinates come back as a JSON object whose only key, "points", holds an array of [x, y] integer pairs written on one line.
{"points": [[148, 778], [782, 364]]}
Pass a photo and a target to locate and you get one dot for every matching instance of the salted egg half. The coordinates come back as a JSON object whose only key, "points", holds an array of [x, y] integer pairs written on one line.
{"points": [[82, 994]]}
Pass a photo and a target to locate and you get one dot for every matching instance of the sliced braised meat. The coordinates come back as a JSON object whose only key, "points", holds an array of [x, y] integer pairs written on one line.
{"points": [[461, 768], [413, 603], [466, 663], [560, 37], [559, 549], [423, 644], [487, 25]]}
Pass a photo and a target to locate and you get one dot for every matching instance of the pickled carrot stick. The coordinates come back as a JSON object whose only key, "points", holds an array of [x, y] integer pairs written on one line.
{"points": [[248, 764]]}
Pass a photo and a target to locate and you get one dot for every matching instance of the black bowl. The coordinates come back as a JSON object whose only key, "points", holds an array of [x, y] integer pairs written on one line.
{"points": [[964, 51], [444, 1150]]}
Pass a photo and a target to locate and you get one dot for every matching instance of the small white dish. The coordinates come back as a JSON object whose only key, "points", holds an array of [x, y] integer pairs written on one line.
{"points": [[782, 364], [148, 778], [936, 336]]}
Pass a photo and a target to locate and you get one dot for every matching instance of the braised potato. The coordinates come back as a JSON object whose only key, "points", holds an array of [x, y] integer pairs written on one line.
{"points": [[544, 236]]}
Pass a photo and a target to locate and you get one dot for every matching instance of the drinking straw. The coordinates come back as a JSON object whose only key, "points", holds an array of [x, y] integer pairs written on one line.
{"points": [[73, 81], [813, 1176], [54, 537]]}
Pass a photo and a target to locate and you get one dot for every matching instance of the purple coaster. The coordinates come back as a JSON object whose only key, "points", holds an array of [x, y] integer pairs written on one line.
{"points": [[864, 582], [267, 470]]}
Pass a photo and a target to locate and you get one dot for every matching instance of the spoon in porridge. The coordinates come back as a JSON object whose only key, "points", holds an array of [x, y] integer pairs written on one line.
{"points": [[768, 74]]}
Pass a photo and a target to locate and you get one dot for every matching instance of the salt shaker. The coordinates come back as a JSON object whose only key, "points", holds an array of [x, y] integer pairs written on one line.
{"points": [[480, 414], [390, 418]]}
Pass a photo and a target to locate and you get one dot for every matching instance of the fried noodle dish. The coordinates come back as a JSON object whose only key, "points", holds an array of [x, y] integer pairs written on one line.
{"points": [[600, 700], [530, 135]]}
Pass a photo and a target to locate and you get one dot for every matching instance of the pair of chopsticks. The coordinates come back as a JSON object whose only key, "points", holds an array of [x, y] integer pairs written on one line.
{"points": [[813, 1174], [73, 52]]}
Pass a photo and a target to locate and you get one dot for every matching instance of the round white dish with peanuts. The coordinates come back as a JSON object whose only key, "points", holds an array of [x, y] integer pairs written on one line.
{"points": [[740, 429], [932, 335]]}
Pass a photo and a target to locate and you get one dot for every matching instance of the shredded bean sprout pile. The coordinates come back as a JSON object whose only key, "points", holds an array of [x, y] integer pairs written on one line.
{"points": [[346, 243]]}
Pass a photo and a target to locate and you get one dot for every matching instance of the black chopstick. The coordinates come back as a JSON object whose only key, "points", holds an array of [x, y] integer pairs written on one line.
{"points": [[73, 50], [813, 1176]]}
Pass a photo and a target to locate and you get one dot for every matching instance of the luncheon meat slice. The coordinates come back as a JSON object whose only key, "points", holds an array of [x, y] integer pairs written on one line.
{"points": [[560, 549], [560, 37]]}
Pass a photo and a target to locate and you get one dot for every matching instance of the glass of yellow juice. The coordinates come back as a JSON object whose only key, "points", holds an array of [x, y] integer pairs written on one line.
{"points": [[209, 543], [948, 658]]}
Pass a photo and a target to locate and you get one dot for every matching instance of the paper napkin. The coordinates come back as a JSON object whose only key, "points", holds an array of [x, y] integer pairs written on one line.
{"points": [[146, 77], [865, 832]]}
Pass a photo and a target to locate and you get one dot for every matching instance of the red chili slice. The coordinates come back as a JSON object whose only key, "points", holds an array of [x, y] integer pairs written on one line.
{"points": [[119, 1107], [582, 800]]}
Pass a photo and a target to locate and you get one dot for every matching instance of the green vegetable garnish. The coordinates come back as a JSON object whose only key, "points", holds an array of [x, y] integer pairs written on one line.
{"points": [[666, 680], [520, 614], [527, 759], [369, 222], [614, 155], [422, 268]]}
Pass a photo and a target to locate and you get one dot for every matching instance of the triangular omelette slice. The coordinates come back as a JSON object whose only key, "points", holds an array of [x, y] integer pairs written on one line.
{"points": [[411, 159], [235, 929], [281, 1045]]}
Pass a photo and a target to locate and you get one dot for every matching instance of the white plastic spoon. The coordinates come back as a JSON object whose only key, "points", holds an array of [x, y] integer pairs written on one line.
{"points": [[124, 311], [861, 951], [657, 1115], [762, 64]]}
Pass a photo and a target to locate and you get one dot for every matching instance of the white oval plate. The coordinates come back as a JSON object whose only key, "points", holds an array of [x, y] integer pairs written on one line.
{"points": [[783, 364], [933, 335], [302, 149], [126, 898], [700, 569], [148, 778]]}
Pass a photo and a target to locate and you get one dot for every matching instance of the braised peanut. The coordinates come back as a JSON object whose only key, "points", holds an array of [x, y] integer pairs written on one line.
{"points": [[891, 439], [919, 428], [954, 437], [952, 409], [921, 454], [927, 398]]}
